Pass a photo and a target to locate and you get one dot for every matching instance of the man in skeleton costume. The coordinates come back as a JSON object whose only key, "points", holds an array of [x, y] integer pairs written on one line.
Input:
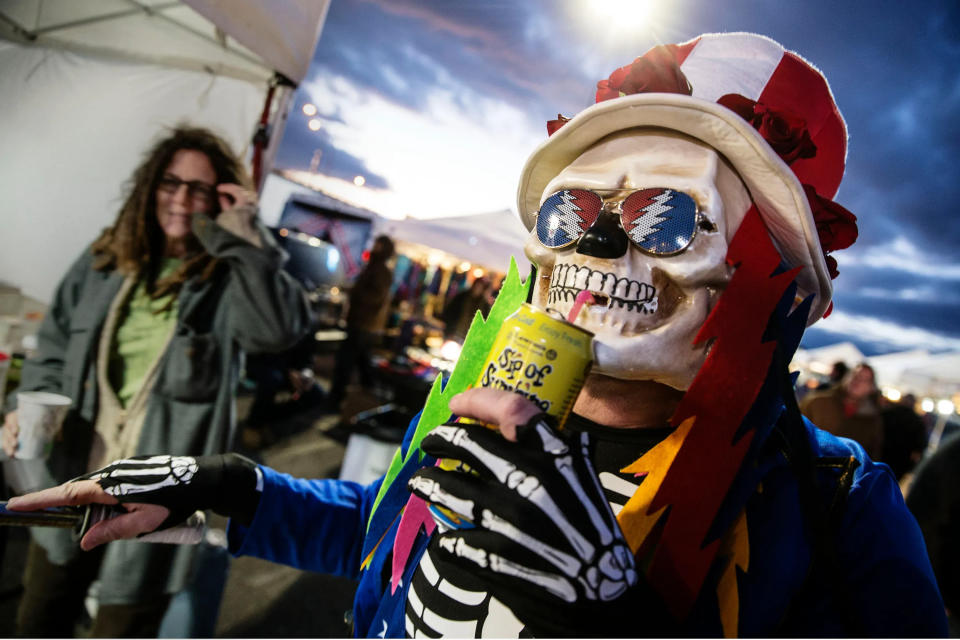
{"points": [[686, 494]]}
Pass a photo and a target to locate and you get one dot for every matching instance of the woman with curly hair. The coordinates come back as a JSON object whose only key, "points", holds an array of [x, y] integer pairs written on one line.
{"points": [[145, 334]]}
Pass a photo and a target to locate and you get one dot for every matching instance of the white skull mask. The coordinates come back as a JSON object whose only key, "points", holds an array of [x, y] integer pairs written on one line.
{"points": [[649, 308]]}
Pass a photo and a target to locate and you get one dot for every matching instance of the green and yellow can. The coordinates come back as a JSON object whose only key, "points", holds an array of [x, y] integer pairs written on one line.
{"points": [[543, 358]]}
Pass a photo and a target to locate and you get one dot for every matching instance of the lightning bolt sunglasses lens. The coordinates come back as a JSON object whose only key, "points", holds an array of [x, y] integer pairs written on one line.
{"points": [[566, 215], [658, 220]]}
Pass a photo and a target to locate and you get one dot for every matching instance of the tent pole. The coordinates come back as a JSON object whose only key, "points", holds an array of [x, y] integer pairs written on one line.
{"points": [[284, 94]]}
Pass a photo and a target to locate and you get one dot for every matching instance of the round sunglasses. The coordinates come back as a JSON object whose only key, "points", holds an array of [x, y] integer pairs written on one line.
{"points": [[657, 220]]}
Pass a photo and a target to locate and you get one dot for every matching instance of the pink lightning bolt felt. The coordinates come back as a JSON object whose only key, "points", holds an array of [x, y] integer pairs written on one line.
{"points": [[415, 515]]}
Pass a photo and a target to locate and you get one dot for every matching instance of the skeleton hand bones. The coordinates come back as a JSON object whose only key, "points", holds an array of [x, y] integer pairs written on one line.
{"points": [[157, 491], [544, 530], [141, 517]]}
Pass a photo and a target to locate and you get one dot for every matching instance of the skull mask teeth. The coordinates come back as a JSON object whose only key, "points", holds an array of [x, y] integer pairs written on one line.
{"points": [[610, 291]]}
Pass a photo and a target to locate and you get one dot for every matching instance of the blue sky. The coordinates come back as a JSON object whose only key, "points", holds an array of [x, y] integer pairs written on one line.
{"points": [[437, 103]]}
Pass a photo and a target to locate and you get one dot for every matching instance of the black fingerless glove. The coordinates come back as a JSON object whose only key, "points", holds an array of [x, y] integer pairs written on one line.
{"points": [[224, 483]]}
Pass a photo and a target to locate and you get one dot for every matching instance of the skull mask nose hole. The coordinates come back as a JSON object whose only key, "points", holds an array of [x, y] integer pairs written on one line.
{"points": [[605, 239]]}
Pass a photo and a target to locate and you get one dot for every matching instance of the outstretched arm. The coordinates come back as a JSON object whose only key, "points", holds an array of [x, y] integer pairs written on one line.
{"points": [[156, 491]]}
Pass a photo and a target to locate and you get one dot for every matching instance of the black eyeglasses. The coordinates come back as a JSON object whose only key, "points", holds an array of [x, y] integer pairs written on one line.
{"points": [[658, 221], [196, 190]]}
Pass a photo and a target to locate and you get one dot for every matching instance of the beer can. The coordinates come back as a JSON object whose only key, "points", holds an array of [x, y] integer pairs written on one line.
{"points": [[539, 356]]}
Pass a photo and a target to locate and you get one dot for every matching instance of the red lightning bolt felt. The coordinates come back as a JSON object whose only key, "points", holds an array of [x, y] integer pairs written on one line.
{"points": [[719, 398]]}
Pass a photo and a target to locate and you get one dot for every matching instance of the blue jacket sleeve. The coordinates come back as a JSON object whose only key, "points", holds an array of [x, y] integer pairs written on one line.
{"points": [[318, 525], [888, 575]]}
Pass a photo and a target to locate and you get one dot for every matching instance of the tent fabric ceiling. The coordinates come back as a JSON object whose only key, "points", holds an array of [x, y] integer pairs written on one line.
{"points": [[243, 39], [283, 33]]}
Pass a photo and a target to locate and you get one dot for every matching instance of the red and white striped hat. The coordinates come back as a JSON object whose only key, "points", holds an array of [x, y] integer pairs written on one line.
{"points": [[779, 110]]}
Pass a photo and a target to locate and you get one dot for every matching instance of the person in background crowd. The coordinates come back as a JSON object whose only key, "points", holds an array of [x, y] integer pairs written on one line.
{"points": [[462, 308], [146, 333], [272, 373], [904, 435], [934, 498], [850, 410], [366, 315], [686, 496], [837, 373]]}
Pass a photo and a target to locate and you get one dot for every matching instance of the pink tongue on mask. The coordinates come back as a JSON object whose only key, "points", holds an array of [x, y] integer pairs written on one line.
{"points": [[582, 298]]}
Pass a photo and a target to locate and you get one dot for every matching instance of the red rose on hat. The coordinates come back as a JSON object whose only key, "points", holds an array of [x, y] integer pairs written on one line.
{"points": [[553, 125], [836, 226], [656, 71], [786, 133]]}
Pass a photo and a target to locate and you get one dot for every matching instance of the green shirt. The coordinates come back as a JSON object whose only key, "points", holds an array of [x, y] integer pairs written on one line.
{"points": [[142, 332]]}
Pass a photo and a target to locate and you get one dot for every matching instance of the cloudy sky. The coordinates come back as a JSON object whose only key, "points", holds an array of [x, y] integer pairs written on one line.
{"points": [[437, 103]]}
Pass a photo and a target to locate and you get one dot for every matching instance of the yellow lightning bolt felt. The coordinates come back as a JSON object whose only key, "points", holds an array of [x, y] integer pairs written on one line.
{"points": [[735, 549], [634, 519], [638, 524]]}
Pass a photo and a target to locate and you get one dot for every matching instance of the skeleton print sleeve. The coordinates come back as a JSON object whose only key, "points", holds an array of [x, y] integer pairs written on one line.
{"points": [[544, 539], [229, 484]]}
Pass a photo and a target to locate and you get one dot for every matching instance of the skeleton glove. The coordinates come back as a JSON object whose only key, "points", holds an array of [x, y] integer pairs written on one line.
{"points": [[544, 539], [225, 483]]}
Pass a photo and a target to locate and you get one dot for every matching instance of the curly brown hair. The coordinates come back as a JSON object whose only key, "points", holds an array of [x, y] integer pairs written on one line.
{"points": [[135, 243]]}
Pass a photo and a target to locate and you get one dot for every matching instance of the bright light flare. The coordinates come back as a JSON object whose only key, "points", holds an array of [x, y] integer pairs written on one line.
{"points": [[893, 395], [309, 109], [450, 350], [359, 181], [314, 124], [620, 17], [945, 408], [928, 405]]}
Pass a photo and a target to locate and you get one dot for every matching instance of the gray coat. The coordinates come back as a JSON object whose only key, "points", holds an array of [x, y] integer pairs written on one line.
{"points": [[249, 304]]}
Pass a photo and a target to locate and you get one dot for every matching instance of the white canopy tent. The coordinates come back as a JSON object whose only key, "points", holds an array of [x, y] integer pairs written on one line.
{"points": [[889, 367], [85, 87], [916, 371], [484, 239], [936, 377], [821, 359]]}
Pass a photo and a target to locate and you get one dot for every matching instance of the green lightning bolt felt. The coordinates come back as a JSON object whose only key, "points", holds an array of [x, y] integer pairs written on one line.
{"points": [[476, 347]]}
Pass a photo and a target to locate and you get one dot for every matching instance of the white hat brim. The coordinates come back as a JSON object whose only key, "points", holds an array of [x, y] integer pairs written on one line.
{"points": [[773, 187]]}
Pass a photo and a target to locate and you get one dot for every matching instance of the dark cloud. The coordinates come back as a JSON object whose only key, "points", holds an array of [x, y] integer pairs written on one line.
{"points": [[484, 49]]}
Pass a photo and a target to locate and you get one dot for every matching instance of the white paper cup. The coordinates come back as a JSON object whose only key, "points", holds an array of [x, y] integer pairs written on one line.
{"points": [[40, 415]]}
